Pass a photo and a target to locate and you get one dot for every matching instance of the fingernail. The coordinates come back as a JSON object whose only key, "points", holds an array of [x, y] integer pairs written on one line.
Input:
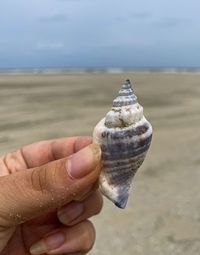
{"points": [[48, 243], [83, 162], [70, 212]]}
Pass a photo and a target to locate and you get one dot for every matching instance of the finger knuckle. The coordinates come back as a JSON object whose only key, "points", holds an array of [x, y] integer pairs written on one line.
{"points": [[46, 178], [38, 179]]}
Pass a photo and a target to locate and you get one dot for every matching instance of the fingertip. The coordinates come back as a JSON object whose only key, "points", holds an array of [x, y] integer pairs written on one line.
{"points": [[81, 142], [99, 202], [96, 152]]}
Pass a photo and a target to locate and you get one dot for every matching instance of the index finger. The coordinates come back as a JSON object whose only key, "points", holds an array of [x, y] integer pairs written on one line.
{"points": [[42, 152]]}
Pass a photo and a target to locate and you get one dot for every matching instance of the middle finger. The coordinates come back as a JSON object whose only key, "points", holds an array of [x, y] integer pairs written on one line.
{"points": [[75, 212]]}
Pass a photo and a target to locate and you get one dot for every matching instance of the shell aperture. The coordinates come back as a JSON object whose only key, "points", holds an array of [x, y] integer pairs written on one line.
{"points": [[124, 136]]}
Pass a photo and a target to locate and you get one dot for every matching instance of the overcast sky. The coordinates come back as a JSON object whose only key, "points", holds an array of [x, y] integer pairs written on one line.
{"points": [[99, 33]]}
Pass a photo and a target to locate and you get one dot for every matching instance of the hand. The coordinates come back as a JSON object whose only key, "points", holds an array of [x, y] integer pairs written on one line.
{"points": [[47, 193]]}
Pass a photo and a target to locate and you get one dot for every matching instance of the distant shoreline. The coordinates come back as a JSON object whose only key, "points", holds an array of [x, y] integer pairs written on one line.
{"points": [[96, 70]]}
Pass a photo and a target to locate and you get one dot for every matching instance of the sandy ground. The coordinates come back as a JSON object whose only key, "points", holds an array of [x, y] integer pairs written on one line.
{"points": [[163, 213]]}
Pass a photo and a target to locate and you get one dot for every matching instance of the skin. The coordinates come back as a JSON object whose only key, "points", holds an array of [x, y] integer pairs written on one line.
{"points": [[39, 197]]}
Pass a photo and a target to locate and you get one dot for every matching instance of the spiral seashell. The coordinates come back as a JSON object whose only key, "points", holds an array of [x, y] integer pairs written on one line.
{"points": [[124, 136]]}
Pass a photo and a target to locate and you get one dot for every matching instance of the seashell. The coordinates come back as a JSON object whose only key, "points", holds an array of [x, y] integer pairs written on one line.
{"points": [[124, 136]]}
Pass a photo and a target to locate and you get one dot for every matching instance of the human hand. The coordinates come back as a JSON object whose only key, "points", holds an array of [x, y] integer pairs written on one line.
{"points": [[47, 193]]}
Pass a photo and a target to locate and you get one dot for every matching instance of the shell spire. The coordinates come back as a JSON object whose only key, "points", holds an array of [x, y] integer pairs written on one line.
{"points": [[125, 96], [124, 136]]}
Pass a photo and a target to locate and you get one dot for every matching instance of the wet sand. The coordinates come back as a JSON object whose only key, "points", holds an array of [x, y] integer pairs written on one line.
{"points": [[163, 212]]}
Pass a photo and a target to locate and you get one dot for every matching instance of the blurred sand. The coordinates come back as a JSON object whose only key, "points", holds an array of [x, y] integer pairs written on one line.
{"points": [[163, 212]]}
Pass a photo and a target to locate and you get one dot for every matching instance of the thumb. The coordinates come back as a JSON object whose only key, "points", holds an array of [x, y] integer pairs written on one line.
{"points": [[33, 192]]}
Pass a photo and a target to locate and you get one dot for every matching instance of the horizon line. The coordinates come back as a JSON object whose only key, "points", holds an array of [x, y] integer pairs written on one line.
{"points": [[46, 70]]}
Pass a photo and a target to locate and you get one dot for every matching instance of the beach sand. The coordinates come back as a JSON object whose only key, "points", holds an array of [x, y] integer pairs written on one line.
{"points": [[163, 212]]}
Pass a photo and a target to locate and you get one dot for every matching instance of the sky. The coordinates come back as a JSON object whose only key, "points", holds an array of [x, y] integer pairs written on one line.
{"points": [[99, 33]]}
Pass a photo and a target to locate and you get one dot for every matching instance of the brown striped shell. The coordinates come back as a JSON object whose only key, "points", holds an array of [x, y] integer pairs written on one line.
{"points": [[124, 136]]}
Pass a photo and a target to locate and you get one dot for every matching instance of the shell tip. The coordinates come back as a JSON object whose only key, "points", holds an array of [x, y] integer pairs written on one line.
{"points": [[119, 205], [127, 84], [128, 81], [121, 201]]}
